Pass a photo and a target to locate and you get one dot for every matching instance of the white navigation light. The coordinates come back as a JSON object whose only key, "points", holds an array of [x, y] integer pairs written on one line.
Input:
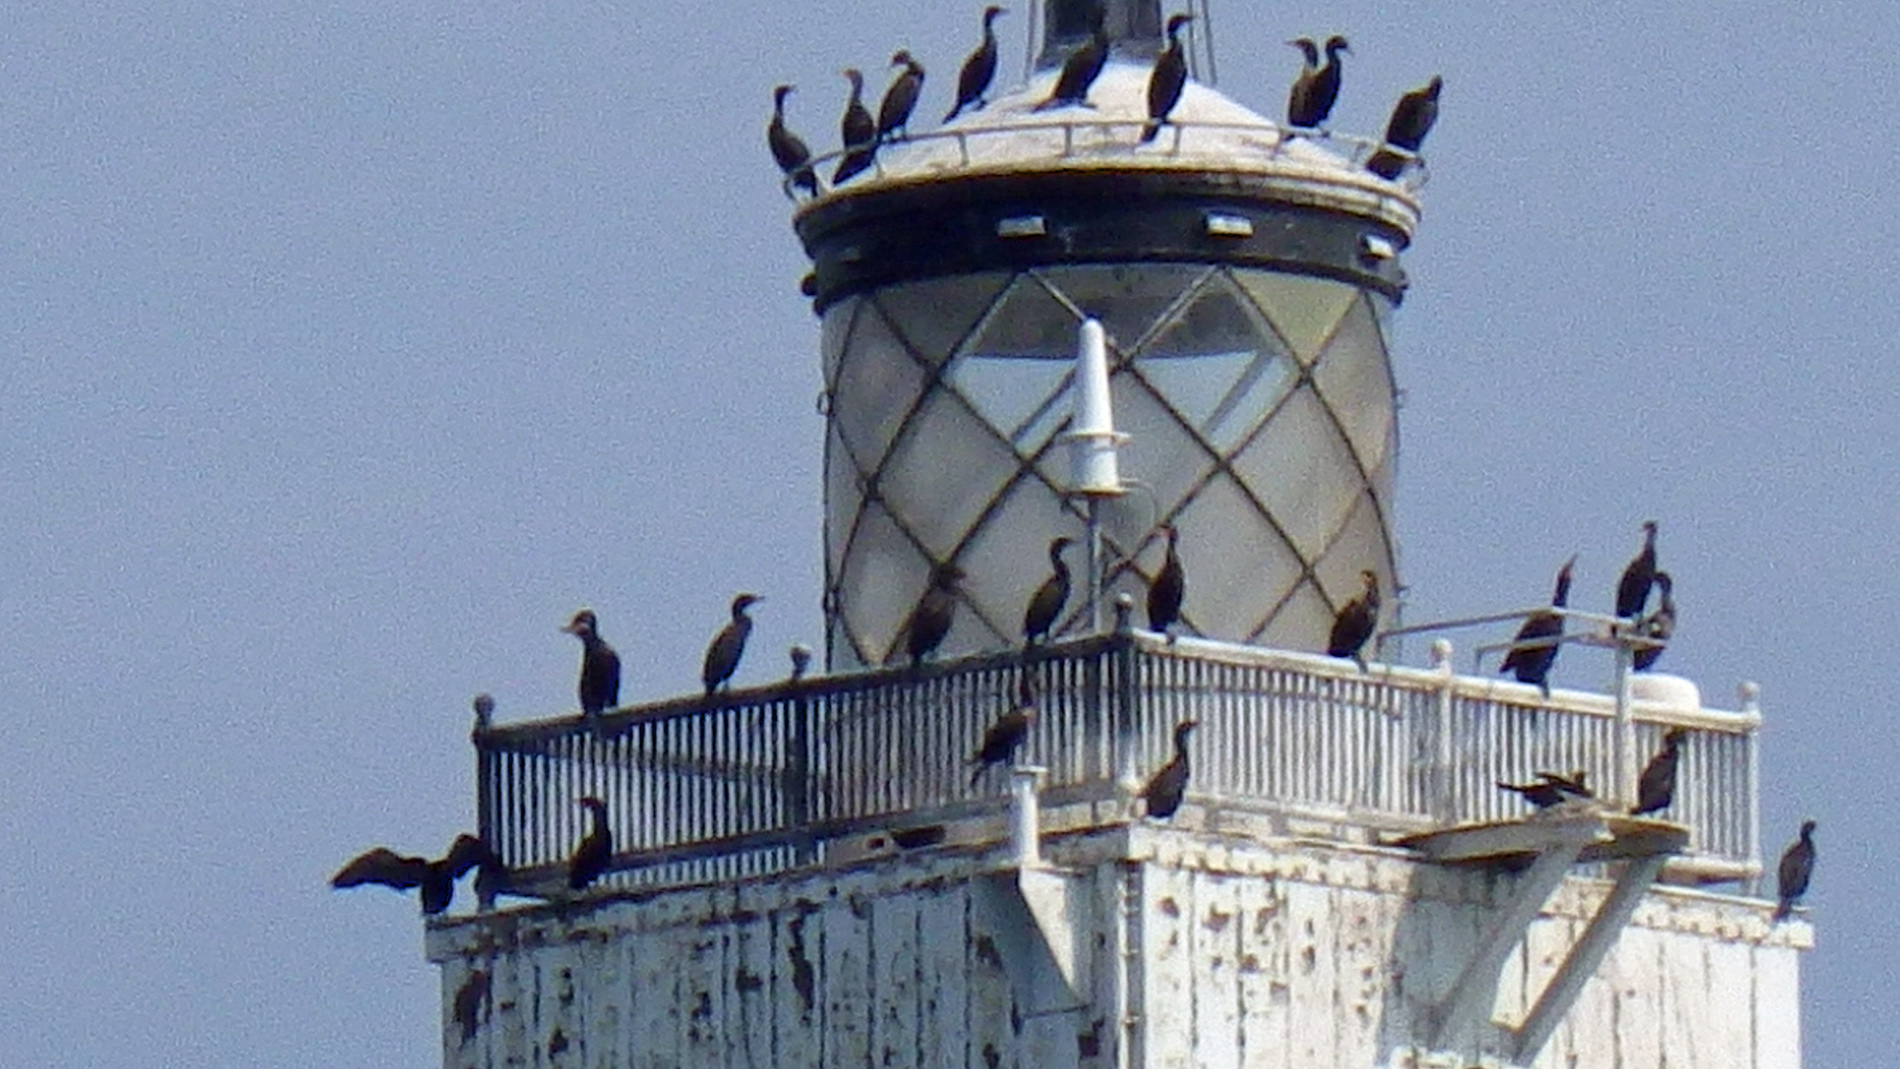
{"points": [[1092, 436]]}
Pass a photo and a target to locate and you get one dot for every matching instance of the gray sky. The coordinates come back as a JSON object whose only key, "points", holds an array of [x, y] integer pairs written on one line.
{"points": [[346, 349]]}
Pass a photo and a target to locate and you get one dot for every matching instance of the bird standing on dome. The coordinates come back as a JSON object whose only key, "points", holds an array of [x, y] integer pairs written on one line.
{"points": [[1354, 625], [858, 129], [600, 665], [1045, 605], [435, 878], [1168, 786], [1169, 588], [1082, 67], [930, 621], [893, 112], [596, 849], [1167, 80], [1534, 649], [789, 150], [979, 69], [1411, 120], [1656, 788], [1321, 88], [1797, 865], [1632, 590], [1660, 626], [1299, 99], [722, 656], [1001, 741]]}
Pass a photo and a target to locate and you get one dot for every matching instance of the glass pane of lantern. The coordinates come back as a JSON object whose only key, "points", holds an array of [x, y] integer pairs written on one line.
{"points": [[1304, 310], [1359, 545], [1303, 623], [1009, 391], [1127, 299], [1158, 452], [835, 332], [1008, 558], [936, 315], [842, 493], [1030, 321], [1300, 469], [877, 381], [1356, 383], [884, 577], [944, 473], [1237, 568], [1218, 363]]}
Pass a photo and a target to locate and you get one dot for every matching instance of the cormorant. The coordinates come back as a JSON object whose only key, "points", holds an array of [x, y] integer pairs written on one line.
{"points": [[1532, 662], [1168, 79], [596, 848], [1657, 786], [1169, 588], [600, 665], [930, 621], [1412, 119], [1045, 605], [722, 656], [1299, 99], [1165, 790], [1354, 625], [788, 149], [1632, 591], [979, 69], [1324, 91], [1550, 788], [893, 112], [801, 660], [858, 129], [1660, 626], [436, 878], [1797, 864], [1082, 67], [1002, 739]]}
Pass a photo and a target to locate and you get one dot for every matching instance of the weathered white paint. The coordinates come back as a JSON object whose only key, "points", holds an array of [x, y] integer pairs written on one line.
{"points": [[1242, 954]]}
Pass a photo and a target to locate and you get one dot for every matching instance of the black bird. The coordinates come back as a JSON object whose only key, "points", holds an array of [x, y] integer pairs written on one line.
{"points": [[436, 878], [1324, 90], [1534, 649], [722, 656], [1660, 626], [1168, 786], [600, 665], [801, 661], [1299, 99], [1169, 588], [1657, 786], [1550, 788], [979, 69], [893, 112], [1168, 79], [1003, 738], [1412, 119], [1045, 605], [858, 129], [1632, 591], [1082, 67], [1354, 625], [788, 149], [596, 848], [1797, 864], [930, 621]]}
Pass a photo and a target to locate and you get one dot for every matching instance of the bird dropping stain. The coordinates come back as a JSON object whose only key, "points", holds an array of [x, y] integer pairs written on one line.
{"points": [[469, 1000], [804, 979]]}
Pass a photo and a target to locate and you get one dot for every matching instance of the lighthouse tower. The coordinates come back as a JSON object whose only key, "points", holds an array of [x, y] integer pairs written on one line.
{"points": [[819, 873]]}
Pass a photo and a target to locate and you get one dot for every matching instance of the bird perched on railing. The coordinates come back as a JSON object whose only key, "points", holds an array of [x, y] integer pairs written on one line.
{"points": [[801, 660], [1045, 605], [1316, 89], [1169, 588], [1656, 788], [1168, 78], [858, 129], [723, 653], [1165, 789], [1797, 865], [1356, 621], [436, 878], [600, 665], [1551, 788], [900, 99], [789, 150], [1534, 649], [1412, 119], [930, 621], [1083, 66], [596, 849], [1659, 627], [979, 69], [1632, 590], [1001, 741]]}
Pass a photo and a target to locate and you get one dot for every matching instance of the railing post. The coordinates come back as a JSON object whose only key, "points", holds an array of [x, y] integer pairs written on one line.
{"points": [[1443, 808], [1750, 695], [1124, 713], [798, 773], [485, 775], [1623, 745]]}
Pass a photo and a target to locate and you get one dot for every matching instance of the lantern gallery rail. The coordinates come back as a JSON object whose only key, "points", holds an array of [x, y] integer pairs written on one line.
{"points": [[767, 779]]}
